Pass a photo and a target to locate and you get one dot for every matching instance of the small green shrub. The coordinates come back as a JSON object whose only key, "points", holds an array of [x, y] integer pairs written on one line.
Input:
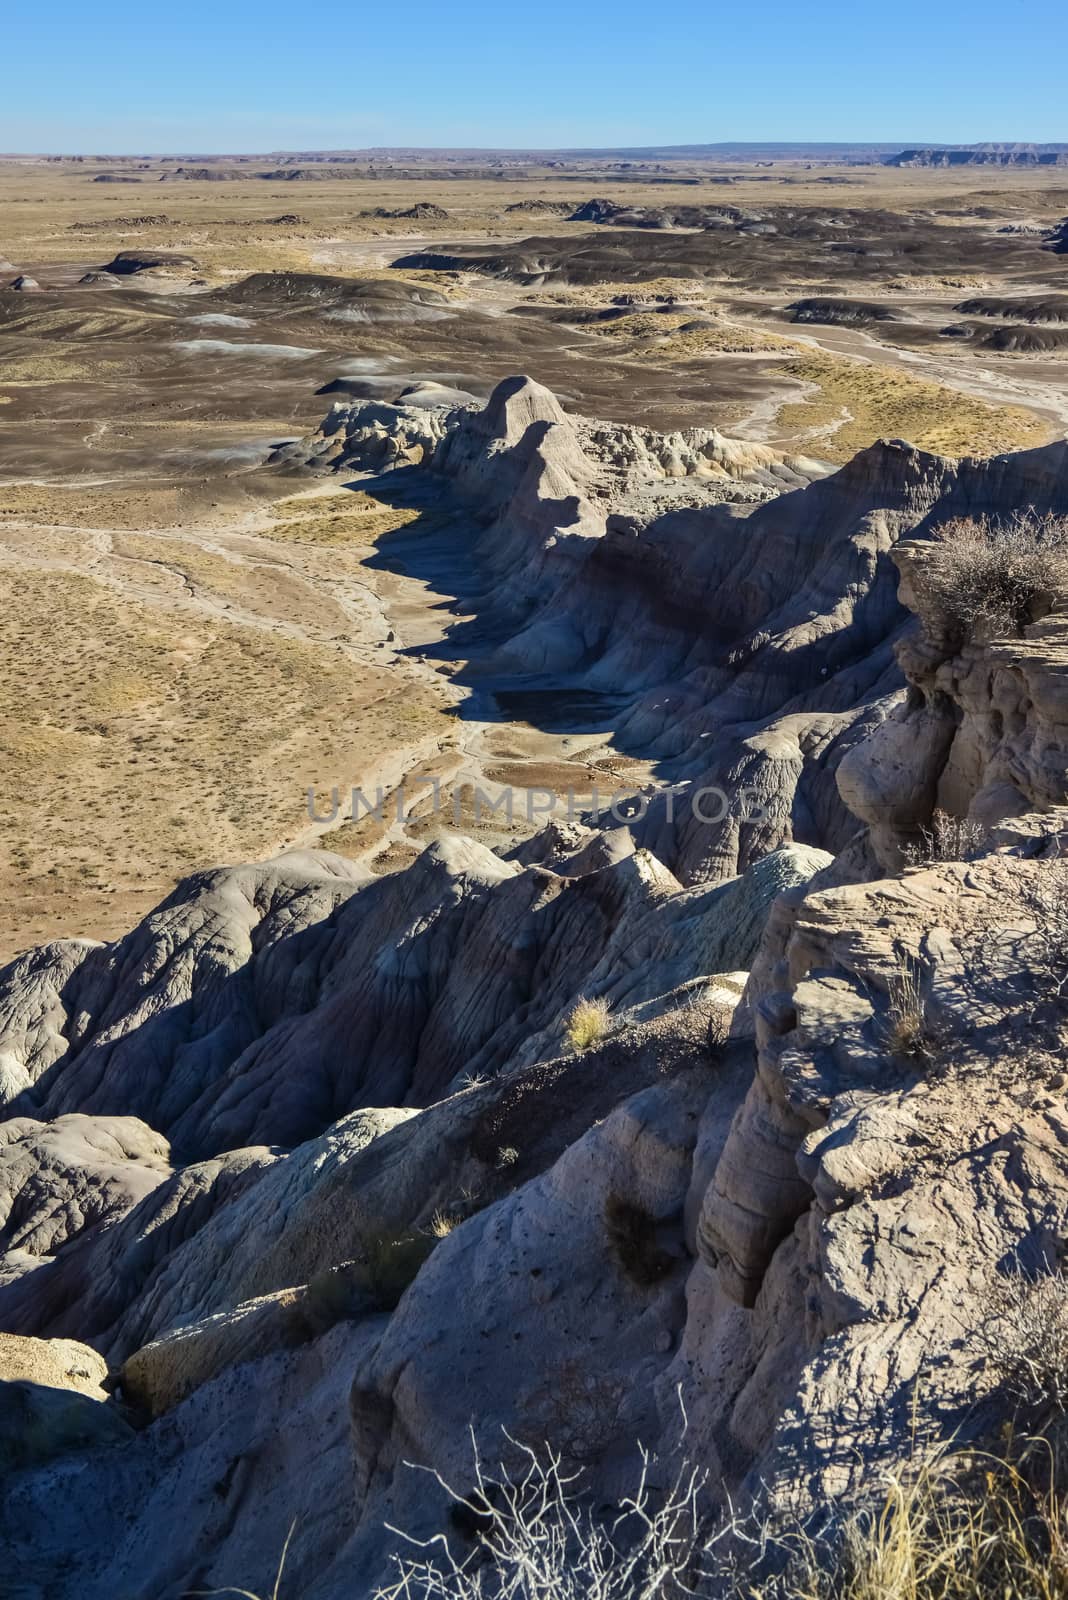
{"points": [[372, 1281]]}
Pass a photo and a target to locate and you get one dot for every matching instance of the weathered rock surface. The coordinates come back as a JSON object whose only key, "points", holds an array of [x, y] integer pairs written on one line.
{"points": [[404, 1204], [463, 964], [52, 1404], [59, 1178]]}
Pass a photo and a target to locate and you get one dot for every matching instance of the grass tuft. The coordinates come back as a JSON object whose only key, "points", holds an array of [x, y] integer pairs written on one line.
{"points": [[587, 1024]]}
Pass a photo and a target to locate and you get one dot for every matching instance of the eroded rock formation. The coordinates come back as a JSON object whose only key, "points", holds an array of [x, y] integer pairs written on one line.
{"points": [[378, 1197]]}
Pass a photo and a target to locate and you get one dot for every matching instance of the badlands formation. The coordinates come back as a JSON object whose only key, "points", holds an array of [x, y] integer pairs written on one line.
{"points": [[305, 1180], [648, 1045]]}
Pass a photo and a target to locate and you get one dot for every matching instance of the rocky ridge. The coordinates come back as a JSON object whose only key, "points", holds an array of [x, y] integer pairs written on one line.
{"points": [[310, 1158]]}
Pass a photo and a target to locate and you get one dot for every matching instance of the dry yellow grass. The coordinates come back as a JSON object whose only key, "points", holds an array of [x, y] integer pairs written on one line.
{"points": [[675, 337], [587, 1023], [339, 520], [138, 745], [886, 402], [724, 339], [90, 506]]}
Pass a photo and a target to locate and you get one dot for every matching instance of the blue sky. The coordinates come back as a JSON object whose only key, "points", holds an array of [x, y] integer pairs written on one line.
{"points": [[256, 75]]}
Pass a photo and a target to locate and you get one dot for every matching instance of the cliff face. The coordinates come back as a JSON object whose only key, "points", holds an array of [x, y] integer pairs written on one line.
{"points": [[743, 606], [394, 1203], [980, 156]]}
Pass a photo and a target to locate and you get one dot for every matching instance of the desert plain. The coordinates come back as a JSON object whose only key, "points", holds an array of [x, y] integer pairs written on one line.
{"points": [[192, 635]]}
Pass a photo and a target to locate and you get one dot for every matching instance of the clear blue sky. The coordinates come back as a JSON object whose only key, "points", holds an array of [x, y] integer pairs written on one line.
{"points": [[254, 75]]}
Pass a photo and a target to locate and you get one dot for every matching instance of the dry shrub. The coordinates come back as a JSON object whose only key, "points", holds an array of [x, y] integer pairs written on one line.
{"points": [[957, 1528], [1048, 946], [581, 1410], [719, 1030], [539, 1536], [1025, 1341], [945, 1526], [947, 839], [907, 1033], [372, 1281], [633, 1234], [995, 577], [588, 1023], [441, 1224]]}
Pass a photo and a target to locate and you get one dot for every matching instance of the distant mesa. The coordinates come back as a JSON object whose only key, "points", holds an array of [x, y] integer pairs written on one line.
{"points": [[304, 174], [288, 219], [290, 175], [128, 262], [97, 280], [201, 175], [983, 155], [839, 312], [113, 177]]}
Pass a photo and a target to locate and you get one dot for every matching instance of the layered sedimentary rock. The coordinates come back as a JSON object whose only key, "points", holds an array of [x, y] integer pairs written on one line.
{"points": [[750, 623], [393, 1197]]}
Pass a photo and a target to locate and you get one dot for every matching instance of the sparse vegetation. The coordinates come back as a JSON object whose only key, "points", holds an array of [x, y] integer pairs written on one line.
{"points": [[995, 577], [948, 838], [950, 1526], [719, 1030], [1048, 945], [858, 401], [441, 1225], [375, 1279], [587, 1023], [537, 1536], [908, 1035], [1025, 1340], [633, 1234], [947, 1525], [581, 1411]]}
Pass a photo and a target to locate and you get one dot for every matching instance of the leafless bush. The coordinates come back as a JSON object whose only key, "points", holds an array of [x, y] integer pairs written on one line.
{"points": [[991, 575], [942, 1525], [719, 1030], [947, 839], [581, 1410], [1025, 1341], [1047, 950], [540, 1537]]}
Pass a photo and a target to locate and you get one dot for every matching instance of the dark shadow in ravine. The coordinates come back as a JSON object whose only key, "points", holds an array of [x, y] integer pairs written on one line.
{"points": [[439, 548]]}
